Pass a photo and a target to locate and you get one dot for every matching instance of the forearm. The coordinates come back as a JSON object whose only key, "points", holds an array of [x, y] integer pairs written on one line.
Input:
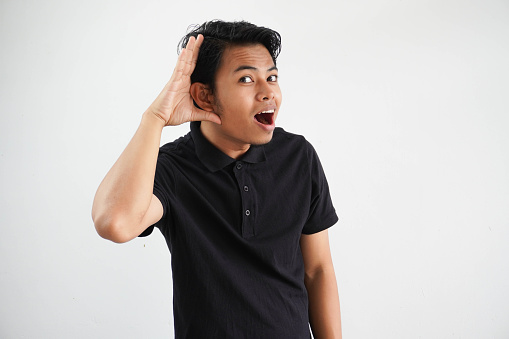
{"points": [[324, 310], [124, 195]]}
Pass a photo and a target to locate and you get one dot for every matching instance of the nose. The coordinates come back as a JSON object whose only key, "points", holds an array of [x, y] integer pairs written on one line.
{"points": [[265, 92]]}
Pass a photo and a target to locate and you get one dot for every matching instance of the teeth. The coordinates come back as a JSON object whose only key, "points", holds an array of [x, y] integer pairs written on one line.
{"points": [[271, 111]]}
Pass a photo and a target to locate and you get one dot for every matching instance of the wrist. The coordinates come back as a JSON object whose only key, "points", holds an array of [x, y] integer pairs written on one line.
{"points": [[152, 119]]}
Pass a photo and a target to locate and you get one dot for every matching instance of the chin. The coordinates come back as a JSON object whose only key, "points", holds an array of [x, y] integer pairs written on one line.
{"points": [[262, 141]]}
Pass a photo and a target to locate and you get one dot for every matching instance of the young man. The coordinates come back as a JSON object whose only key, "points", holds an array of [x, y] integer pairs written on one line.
{"points": [[244, 206]]}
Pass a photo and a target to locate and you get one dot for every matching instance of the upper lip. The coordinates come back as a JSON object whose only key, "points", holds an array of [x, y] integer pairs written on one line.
{"points": [[268, 109]]}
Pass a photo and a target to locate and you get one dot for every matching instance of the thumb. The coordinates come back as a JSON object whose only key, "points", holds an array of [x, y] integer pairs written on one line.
{"points": [[201, 115]]}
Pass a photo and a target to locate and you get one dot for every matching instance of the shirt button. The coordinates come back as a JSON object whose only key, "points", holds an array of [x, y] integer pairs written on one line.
{"points": [[248, 212], [246, 188], [239, 166]]}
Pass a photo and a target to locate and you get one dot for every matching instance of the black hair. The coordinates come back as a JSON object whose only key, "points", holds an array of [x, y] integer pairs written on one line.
{"points": [[218, 36]]}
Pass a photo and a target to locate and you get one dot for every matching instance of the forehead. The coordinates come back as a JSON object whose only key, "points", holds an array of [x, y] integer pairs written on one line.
{"points": [[249, 55]]}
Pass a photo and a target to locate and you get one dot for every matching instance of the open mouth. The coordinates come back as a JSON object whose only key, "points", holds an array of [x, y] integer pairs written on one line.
{"points": [[265, 117]]}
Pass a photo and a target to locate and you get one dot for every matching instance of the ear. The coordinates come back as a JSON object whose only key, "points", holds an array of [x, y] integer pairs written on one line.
{"points": [[202, 96]]}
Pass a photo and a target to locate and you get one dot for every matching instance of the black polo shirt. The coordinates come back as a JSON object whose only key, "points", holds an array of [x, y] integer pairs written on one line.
{"points": [[233, 230]]}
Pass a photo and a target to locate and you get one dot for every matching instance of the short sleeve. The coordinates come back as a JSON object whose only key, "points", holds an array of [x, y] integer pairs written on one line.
{"points": [[322, 213], [164, 185]]}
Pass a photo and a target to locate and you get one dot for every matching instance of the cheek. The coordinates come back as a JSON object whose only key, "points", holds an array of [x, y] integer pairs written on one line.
{"points": [[278, 94]]}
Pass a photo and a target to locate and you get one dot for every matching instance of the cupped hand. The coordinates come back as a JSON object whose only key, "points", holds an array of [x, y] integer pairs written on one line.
{"points": [[174, 105]]}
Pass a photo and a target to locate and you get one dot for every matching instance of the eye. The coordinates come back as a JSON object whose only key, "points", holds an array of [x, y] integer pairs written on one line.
{"points": [[246, 79], [272, 78]]}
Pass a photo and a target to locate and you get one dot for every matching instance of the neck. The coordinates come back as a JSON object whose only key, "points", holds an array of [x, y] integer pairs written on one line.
{"points": [[232, 148]]}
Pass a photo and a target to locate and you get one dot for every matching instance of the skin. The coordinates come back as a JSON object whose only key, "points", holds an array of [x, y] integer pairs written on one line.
{"points": [[124, 205], [320, 281], [246, 84]]}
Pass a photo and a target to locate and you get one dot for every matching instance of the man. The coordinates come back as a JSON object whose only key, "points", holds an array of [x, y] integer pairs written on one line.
{"points": [[244, 206]]}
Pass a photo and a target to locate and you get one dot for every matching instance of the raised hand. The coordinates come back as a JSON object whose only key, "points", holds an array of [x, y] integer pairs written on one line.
{"points": [[174, 105]]}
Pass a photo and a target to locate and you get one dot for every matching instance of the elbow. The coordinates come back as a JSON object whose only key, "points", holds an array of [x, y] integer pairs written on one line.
{"points": [[113, 233], [312, 275], [319, 272], [111, 228]]}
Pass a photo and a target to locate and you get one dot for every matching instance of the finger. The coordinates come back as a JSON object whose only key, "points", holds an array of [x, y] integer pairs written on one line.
{"points": [[187, 58], [180, 67], [196, 49], [190, 43], [193, 48], [194, 43], [201, 115], [184, 59]]}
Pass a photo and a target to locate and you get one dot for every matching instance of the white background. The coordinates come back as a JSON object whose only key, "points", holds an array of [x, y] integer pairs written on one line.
{"points": [[405, 101]]}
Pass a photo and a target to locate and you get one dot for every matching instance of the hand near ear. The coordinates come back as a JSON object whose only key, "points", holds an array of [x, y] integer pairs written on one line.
{"points": [[174, 105]]}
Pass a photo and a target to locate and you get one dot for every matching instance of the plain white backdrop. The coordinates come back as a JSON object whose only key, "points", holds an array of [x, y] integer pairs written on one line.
{"points": [[406, 103]]}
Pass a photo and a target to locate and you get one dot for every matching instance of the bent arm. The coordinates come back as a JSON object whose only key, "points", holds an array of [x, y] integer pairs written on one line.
{"points": [[320, 281], [124, 205]]}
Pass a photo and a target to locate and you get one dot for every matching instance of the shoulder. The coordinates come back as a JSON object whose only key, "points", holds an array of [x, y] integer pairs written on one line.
{"points": [[290, 150], [177, 153], [181, 145], [281, 136], [284, 142]]}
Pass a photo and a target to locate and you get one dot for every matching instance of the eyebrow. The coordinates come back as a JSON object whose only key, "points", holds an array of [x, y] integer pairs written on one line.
{"points": [[243, 67]]}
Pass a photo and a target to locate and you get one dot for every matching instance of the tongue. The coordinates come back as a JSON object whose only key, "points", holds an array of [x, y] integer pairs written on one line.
{"points": [[264, 118]]}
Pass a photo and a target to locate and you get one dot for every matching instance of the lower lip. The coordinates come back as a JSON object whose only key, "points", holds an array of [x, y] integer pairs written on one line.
{"points": [[267, 128]]}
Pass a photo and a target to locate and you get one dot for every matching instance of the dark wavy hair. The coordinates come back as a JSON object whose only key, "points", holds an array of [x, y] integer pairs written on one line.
{"points": [[218, 36]]}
